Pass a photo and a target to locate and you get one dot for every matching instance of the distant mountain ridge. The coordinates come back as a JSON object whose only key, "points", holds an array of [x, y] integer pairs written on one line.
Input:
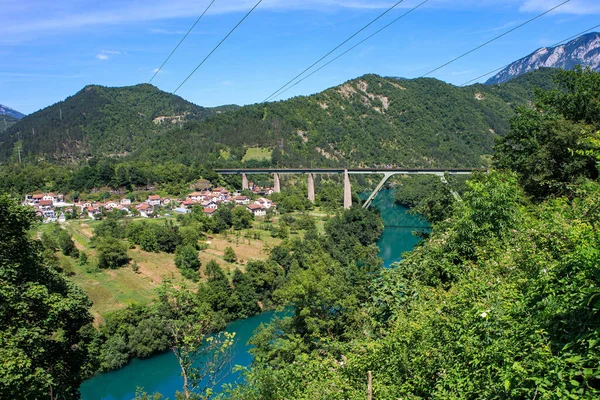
{"points": [[367, 121], [5, 110], [584, 51]]}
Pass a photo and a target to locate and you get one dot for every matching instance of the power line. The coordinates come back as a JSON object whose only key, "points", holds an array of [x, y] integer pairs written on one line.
{"points": [[337, 47], [217, 46], [353, 47], [496, 38], [181, 41], [554, 45]]}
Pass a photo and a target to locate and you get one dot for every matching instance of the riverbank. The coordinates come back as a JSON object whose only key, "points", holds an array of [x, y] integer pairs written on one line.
{"points": [[161, 373]]}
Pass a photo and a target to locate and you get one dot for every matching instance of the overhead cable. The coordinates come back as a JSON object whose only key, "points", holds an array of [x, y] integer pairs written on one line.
{"points": [[217, 46], [496, 38], [275, 93], [181, 41]]}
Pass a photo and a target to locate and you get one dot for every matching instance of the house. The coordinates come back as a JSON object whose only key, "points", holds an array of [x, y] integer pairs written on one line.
{"points": [[245, 200], [182, 210], [165, 201], [45, 204], [146, 210], [153, 200], [196, 197], [49, 214], [209, 204], [266, 203], [50, 196], [109, 205], [92, 212], [188, 203], [125, 202], [209, 211], [257, 210], [123, 208], [36, 198]]}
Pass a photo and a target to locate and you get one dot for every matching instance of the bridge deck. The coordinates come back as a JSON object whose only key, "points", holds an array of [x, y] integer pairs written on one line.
{"points": [[452, 171]]}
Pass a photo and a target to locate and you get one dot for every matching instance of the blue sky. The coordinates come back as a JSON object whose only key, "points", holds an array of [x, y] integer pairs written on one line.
{"points": [[51, 49]]}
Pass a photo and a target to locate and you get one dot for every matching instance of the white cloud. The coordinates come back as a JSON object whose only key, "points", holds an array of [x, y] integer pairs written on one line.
{"points": [[106, 54], [40, 16]]}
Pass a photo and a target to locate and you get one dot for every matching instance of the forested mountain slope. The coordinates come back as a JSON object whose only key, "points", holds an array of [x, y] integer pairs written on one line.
{"points": [[101, 120], [371, 120], [6, 121]]}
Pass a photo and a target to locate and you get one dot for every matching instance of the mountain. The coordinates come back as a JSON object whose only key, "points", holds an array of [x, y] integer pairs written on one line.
{"points": [[4, 110], [102, 120], [584, 51], [6, 121], [368, 121]]}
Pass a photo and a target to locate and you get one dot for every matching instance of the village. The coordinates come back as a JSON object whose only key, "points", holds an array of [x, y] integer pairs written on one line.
{"points": [[53, 207]]}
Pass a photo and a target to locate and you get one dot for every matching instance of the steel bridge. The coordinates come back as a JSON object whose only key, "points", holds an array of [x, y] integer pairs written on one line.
{"points": [[310, 172]]}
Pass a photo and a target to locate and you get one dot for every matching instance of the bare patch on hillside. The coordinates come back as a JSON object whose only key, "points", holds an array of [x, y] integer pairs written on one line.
{"points": [[397, 86], [302, 135], [479, 96]]}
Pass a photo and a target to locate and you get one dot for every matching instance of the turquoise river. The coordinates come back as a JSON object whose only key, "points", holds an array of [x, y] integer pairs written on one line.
{"points": [[161, 373]]}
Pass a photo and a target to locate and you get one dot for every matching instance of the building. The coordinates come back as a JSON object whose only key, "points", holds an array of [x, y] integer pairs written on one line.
{"points": [[154, 200], [209, 211], [257, 209], [244, 200]]}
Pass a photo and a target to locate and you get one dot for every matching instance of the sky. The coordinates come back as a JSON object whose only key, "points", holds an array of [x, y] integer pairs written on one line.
{"points": [[50, 50]]}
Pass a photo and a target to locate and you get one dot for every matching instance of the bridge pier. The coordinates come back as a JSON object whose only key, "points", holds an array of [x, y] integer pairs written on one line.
{"points": [[311, 187], [277, 185], [244, 181], [347, 191]]}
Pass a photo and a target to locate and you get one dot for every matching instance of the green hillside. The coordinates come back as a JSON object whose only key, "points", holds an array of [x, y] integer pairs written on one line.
{"points": [[101, 120], [368, 121], [371, 120], [6, 121]]}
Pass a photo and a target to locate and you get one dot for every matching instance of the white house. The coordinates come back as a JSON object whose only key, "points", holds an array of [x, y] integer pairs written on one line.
{"points": [[109, 205], [125, 201], [153, 200], [257, 210], [245, 200]]}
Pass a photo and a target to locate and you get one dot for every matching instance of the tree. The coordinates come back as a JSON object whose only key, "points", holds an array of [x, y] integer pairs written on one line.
{"points": [[44, 352], [186, 257], [222, 219], [202, 355], [111, 253], [229, 255], [553, 143], [241, 218], [65, 242]]}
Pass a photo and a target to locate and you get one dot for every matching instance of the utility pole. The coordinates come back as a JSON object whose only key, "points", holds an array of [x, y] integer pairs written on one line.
{"points": [[60, 112]]}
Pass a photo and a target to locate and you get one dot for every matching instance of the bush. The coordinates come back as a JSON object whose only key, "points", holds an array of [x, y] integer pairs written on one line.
{"points": [[229, 255], [111, 253]]}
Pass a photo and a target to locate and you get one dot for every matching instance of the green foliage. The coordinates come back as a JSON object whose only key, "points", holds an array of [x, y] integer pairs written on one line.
{"points": [[201, 354], [186, 259], [549, 143], [229, 255], [112, 253], [154, 237], [429, 195], [241, 218], [500, 301], [44, 347]]}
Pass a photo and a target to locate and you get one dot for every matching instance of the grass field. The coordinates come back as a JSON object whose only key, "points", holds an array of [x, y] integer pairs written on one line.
{"points": [[114, 289], [258, 154]]}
